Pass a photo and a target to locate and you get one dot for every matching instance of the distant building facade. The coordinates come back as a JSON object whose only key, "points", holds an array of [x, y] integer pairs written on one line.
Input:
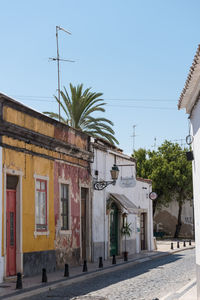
{"points": [[166, 218]]}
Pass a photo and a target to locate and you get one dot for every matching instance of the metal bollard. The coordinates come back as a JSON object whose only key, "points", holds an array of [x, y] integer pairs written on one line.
{"points": [[172, 246], [114, 260], [125, 256], [85, 269], [100, 262], [184, 245], [178, 245], [44, 275], [66, 273], [190, 243], [19, 281]]}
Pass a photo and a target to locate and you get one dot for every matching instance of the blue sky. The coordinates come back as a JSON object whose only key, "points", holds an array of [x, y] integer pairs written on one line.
{"points": [[137, 53]]}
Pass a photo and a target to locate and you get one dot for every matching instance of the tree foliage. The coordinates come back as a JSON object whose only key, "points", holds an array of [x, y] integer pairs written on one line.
{"points": [[78, 111], [170, 172]]}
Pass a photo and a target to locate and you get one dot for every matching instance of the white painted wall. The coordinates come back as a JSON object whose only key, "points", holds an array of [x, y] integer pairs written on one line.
{"points": [[138, 194], [1, 204], [195, 123]]}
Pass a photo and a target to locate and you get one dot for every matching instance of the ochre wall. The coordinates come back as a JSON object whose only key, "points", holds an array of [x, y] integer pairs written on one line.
{"points": [[65, 134], [30, 165]]}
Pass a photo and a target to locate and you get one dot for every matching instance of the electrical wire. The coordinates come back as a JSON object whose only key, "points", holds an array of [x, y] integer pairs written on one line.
{"points": [[52, 100]]}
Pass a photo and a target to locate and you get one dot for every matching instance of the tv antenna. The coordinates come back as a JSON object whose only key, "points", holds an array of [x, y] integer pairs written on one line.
{"points": [[58, 59], [133, 136]]}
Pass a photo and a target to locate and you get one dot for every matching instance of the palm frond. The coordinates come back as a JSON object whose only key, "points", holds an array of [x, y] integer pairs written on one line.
{"points": [[78, 109]]}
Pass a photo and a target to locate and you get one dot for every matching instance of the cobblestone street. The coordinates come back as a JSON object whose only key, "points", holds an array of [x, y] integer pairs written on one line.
{"points": [[148, 280]]}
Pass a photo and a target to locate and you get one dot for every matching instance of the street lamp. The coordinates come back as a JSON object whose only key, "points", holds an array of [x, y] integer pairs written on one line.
{"points": [[100, 185]]}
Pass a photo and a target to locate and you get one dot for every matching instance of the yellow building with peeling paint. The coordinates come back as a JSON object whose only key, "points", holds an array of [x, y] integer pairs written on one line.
{"points": [[37, 154]]}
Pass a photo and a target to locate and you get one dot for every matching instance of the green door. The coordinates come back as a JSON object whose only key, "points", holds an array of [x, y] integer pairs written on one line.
{"points": [[113, 230]]}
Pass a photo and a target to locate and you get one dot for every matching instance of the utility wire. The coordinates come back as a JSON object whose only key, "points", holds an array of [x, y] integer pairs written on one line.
{"points": [[106, 99], [51, 99]]}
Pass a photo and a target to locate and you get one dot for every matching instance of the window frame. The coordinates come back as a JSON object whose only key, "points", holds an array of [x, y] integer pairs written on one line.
{"points": [[45, 179], [62, 230]]}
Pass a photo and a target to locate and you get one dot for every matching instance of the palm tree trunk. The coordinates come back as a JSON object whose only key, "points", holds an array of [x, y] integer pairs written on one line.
{"points": [[179, 223]]}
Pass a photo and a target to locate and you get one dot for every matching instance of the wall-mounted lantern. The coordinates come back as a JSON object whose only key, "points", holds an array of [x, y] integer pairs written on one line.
{"points": [[100, 185], [124, 219], [189, 155]]}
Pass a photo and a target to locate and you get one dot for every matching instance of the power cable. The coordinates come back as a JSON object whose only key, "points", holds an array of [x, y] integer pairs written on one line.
{"points": [[110, 99]]}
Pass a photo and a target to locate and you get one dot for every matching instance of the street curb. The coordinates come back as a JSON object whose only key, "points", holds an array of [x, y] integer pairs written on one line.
{"points": [[28, 292]]}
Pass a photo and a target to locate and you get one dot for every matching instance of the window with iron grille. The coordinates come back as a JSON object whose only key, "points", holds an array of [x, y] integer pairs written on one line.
{"points": [[41, 205], [64, 207]]}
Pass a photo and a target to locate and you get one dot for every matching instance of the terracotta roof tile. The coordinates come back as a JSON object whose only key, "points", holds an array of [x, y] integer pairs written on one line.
{"points": [[190, 75], [144, 180]]}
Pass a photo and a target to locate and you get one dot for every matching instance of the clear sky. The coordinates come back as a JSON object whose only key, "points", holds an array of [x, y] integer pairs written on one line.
{"points": [[136, 52]]}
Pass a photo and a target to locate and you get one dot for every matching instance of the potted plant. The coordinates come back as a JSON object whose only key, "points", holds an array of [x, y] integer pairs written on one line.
{"points": [[126, 231]]}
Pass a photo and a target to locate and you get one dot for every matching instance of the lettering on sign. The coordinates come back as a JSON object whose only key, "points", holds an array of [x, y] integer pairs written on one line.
{"points": [[127, 182]]}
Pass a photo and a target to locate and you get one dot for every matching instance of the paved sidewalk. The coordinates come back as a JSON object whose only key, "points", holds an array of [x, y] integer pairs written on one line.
{"points": [[187, 292], [33, 285]]}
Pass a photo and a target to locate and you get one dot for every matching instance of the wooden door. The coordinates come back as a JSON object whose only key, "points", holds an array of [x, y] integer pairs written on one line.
{"points": [[83, 222], [113, 230], [11, 232], [143, 231]]}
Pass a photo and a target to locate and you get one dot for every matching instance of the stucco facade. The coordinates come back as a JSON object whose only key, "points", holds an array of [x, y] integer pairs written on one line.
{"points": [[40, 159], [68, 242], [135, 204], [190, 101]]}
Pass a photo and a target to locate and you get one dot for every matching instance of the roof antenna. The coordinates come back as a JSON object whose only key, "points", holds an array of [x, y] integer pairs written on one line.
{"points": [[58, 59]]}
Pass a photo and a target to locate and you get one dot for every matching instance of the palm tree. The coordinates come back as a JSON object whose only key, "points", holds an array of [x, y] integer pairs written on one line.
{"points": [[78, 111]]}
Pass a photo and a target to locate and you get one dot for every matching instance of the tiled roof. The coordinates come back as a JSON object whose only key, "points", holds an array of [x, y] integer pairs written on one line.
{"points": [[191, 79], [144, 180]]}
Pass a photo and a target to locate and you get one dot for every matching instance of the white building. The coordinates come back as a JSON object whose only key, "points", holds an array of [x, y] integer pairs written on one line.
{"points": [[190, 100], [111, 206]]}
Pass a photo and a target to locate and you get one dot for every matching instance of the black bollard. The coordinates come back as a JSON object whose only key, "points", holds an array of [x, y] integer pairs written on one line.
{"points": [[19, 281], [172, 247], [66, 273], [114, 260], [178, 245], [85, 269], [100, 262], [190, 243], [125, 256], [184, 245], [44, 275]]}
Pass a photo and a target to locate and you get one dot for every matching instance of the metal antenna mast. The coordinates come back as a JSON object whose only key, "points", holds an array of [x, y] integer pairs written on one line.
{"points": [[133, 136], [58, 59]]}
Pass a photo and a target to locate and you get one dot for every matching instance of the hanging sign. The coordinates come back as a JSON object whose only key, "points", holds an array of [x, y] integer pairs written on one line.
{"points": [[127, 182], [153, 196]]}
